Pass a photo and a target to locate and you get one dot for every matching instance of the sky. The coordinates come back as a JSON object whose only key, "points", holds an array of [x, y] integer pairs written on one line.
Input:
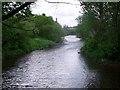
{"points": [[65, 13]]}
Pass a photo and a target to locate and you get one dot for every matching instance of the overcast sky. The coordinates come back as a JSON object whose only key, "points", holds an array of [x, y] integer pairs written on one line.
{"points": [[65, 13]]}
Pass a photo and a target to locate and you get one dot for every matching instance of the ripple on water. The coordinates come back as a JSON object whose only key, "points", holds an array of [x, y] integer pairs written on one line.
{"points": [[61, 67]]}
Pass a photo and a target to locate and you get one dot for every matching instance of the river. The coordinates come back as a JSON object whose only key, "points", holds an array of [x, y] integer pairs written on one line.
{"points": [[59, 67]]}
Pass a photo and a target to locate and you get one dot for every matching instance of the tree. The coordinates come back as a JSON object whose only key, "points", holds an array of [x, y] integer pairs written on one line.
{"points": [[99, 27]]}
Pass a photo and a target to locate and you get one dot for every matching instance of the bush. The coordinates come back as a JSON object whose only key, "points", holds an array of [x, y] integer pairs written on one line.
{"points": [[37, 43], [51, 33]]}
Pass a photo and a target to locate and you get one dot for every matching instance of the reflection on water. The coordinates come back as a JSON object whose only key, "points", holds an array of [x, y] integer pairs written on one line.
{"points": [[61, 67]]}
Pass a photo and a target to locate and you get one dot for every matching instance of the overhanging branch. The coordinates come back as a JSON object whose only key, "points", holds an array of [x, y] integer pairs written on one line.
{"points": [[13, 12]]}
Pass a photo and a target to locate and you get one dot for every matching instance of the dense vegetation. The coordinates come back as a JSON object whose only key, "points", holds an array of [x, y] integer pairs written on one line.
{"points": [[25, 32], [99, 28]]}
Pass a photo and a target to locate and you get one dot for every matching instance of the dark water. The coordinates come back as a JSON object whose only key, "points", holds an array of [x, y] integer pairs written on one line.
{"points": [[60, 67]]}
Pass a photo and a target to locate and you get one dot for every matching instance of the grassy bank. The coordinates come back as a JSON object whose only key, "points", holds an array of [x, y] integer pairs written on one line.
{"points": [[24, 35], [10, 56]]}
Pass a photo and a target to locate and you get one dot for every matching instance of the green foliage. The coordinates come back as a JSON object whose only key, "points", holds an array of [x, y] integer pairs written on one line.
{"points": [[51, 33], [23, 35], [98, 27], [37, 43], [44, 27], [15, 38]]}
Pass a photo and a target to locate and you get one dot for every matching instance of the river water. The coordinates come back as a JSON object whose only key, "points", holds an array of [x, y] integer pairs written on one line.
{"points": [[59, 67]]}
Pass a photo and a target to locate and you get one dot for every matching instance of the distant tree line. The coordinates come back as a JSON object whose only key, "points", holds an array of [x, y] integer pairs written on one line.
{"points": [[69, 30]]}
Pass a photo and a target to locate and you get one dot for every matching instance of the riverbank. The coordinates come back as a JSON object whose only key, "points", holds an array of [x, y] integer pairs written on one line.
{"points": [[109, 72], [103, 64], [11, 56], [107, 69]]}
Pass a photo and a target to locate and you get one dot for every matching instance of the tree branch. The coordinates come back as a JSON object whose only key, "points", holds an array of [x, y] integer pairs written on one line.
{"points": [[15, 11]]}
